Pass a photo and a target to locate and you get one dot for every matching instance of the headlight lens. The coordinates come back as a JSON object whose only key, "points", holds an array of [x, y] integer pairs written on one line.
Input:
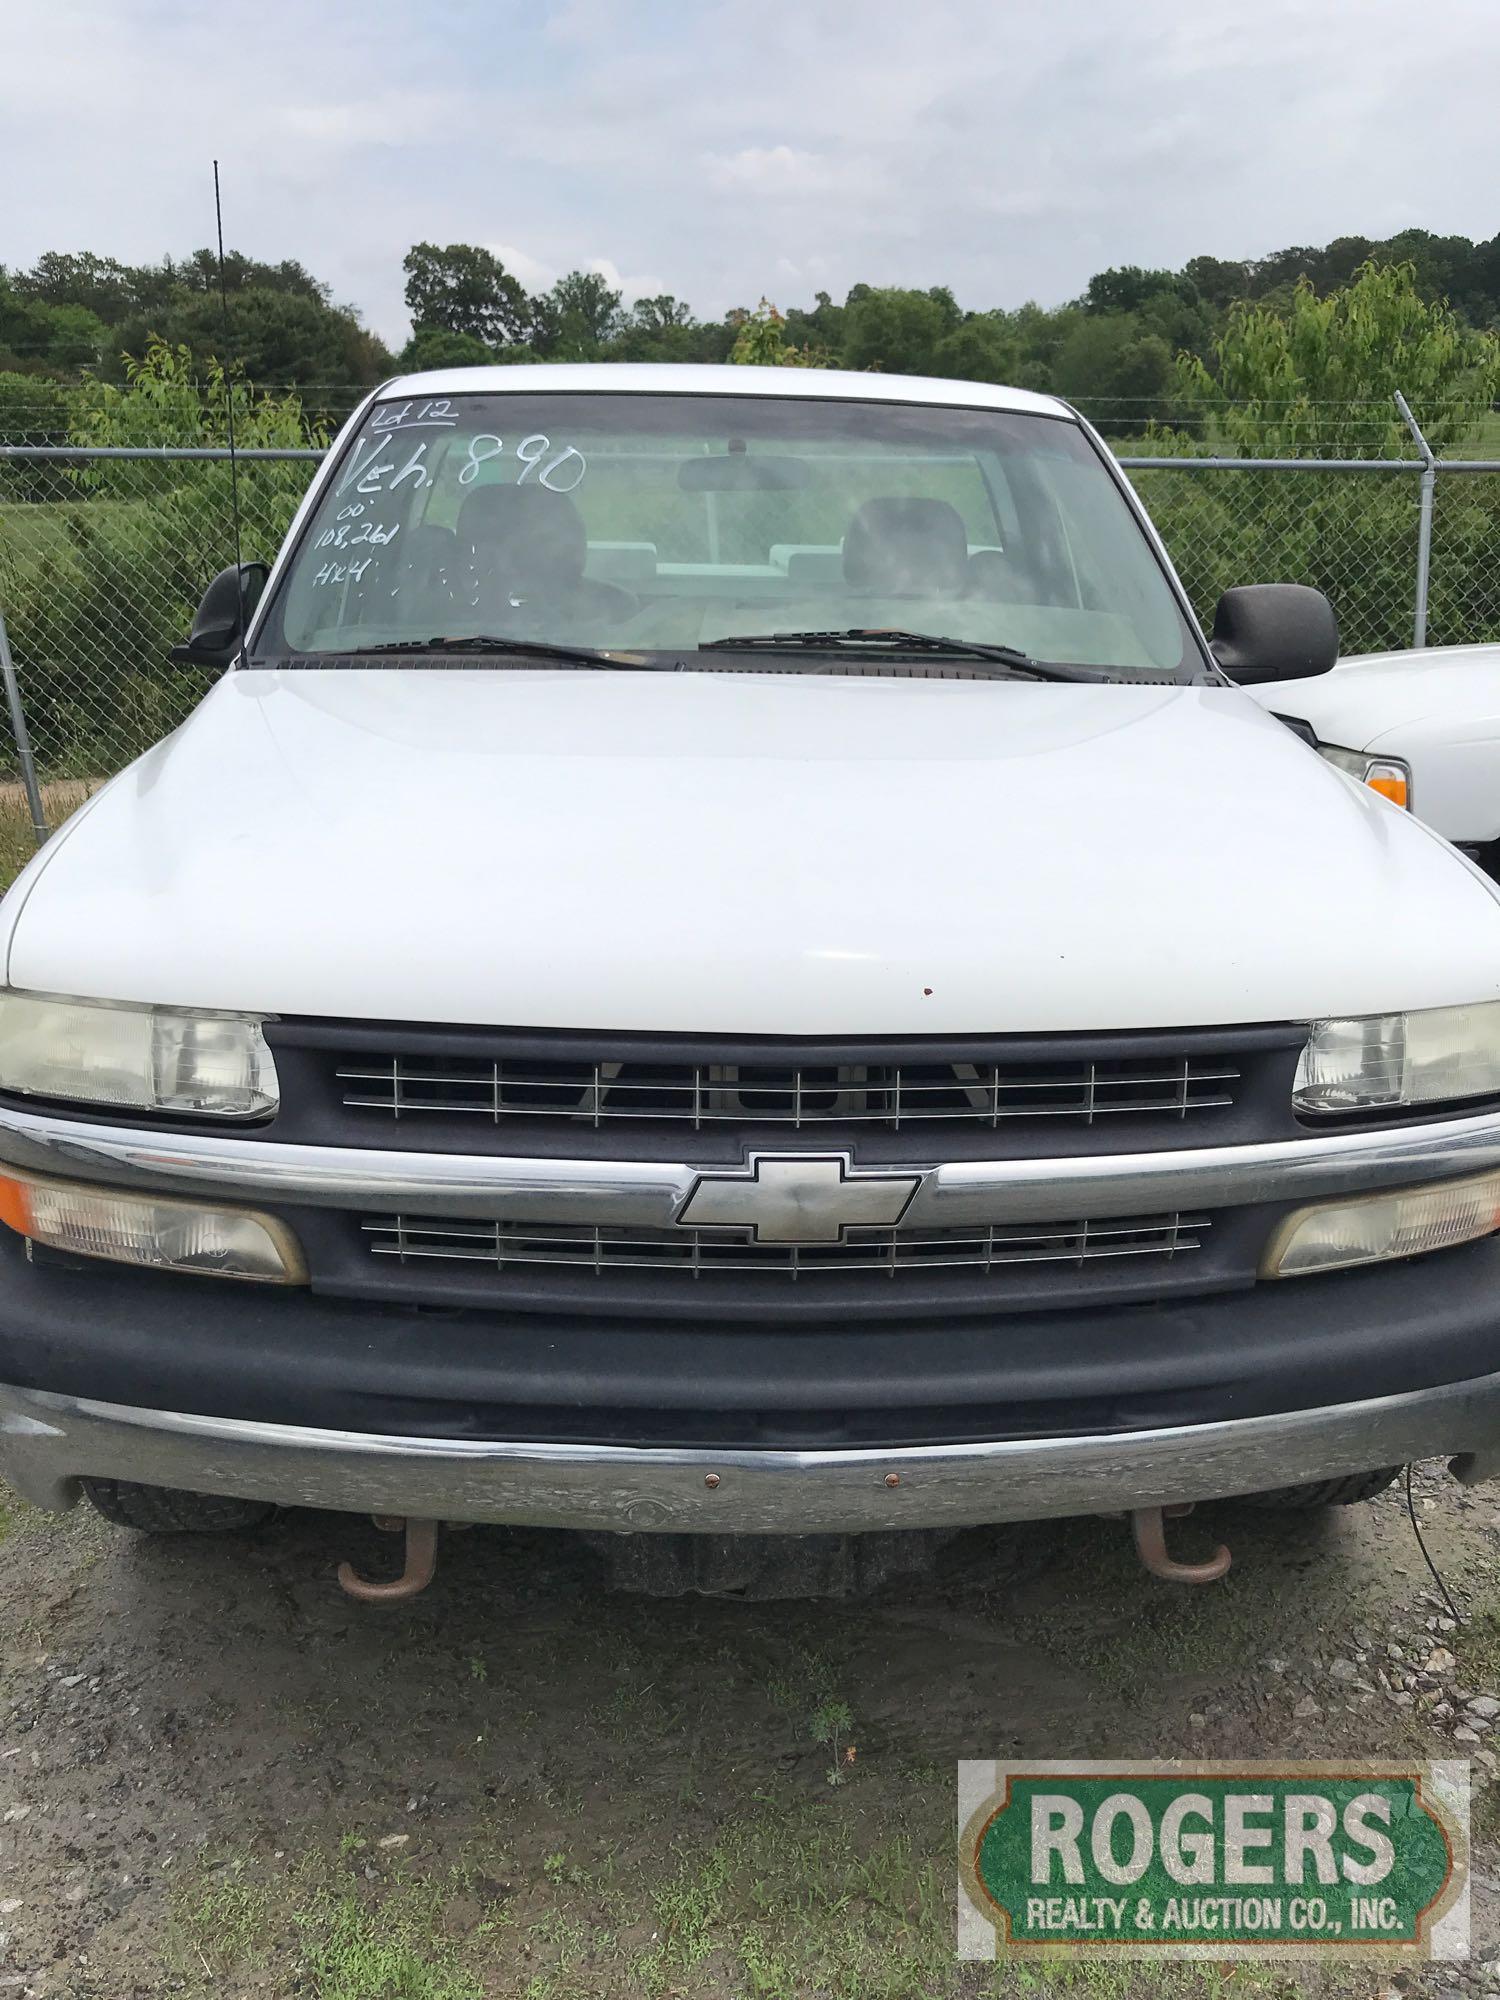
{"points": [[1373, 1229], [1386, 775], [136, 1058], [1388, 1060]]}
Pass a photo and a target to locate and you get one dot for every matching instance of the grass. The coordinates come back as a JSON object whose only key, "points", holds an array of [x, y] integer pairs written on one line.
{"points": [[390, 1952], [792, 1896], [17, 841], [353, 1942]]}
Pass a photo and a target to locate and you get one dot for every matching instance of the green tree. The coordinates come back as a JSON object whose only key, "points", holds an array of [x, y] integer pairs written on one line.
{"points": [[577, 318], [1119, 371], [822, 328], [1272, 376], [436, 347], [37, 334], [981, 349], [1278, 382], [1127, 287], [60, 278], [662, 314], [34, 409], [760, 341], [199, 272], [272, 336], [1217, 280], [895, 330], [464, 288], [170, 397]]}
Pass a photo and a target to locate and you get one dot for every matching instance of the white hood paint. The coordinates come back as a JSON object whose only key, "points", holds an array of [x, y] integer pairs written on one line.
{"points": [[757, 853], [1369, 696]]}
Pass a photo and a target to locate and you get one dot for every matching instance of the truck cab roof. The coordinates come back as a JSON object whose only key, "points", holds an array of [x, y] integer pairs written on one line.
{"points": [[647, 378]]}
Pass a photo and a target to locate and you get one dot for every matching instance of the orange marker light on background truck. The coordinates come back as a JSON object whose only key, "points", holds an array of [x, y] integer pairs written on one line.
{"points": [[1392, 783]]}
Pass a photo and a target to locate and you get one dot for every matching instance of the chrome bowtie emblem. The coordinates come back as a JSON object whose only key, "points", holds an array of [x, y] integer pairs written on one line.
{"points": [[798, 1198]]}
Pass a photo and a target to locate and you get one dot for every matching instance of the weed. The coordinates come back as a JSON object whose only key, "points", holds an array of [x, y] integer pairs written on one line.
{"points": [[830, 1722]]}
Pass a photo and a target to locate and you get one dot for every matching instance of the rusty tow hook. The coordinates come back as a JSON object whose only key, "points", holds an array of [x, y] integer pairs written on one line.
{"points": [[1147, 1527], [421, 1561]]}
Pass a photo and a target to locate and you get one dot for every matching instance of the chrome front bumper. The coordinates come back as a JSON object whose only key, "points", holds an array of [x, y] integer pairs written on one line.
{"points": [[47, 1441]]}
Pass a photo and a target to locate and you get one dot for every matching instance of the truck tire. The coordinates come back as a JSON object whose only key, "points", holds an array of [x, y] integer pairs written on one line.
{"points": [[1326, 1493], [166, 1510]]}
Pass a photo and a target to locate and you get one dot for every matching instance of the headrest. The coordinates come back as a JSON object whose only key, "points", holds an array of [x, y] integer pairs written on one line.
{"points": [[994, 574], [526, 538], [907, 548]]}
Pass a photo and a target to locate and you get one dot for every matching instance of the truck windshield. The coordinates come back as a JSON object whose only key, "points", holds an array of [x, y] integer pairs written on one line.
{"points": [[656, 525]]}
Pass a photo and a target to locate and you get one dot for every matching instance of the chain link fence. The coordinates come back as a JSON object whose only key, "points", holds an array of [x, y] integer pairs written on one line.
{"points": [[104, 555], [103, 558]]}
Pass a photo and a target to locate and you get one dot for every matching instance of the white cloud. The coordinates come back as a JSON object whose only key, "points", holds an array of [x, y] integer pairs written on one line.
{"points": [[535, 275], [630, 289], [768, 169]]}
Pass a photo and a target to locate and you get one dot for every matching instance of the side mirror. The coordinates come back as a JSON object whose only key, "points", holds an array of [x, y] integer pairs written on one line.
{"points": [[222, 615], [1274, 632]]}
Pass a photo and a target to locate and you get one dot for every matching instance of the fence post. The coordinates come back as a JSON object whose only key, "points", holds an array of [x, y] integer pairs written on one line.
{"points": [[22, 735], [1424, 521]]}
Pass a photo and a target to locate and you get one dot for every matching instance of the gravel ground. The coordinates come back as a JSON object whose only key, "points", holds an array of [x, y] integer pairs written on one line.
{"points": [[220, 1776]]}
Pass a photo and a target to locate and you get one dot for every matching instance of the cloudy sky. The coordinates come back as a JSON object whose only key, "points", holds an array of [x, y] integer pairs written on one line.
{"points": [[721, 151]]}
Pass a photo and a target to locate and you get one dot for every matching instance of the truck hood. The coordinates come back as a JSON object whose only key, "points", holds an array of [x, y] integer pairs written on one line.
{"points": [[1365, 698], [746, 852]]}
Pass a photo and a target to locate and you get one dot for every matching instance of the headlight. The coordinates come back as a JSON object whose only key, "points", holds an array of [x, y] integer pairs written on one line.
{"points": [[1374, 1228], [1386, 1060], [1386, 775], [136, 1058]]}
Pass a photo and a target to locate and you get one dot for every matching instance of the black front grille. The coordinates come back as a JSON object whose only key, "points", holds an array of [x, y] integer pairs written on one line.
{"points": [[701, 1098], [986, 1094], [704, 1254]]}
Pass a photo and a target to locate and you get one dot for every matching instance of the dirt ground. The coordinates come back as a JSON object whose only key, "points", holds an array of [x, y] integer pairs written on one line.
{"points": [[218, 1775]]}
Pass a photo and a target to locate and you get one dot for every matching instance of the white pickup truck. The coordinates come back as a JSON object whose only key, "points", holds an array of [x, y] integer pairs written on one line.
{"points": [[1420, 727], [722, 963]]}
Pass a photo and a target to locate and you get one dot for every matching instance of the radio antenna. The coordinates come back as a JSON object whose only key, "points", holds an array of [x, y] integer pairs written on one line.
{"points": [[228, 367]]}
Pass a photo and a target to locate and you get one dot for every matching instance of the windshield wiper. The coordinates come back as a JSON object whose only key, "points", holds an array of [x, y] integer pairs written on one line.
{"points": [[490, 642], [893, 640]]}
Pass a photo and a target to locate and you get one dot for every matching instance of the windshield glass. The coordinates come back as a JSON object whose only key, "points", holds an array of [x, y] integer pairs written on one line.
{"points": [[656, 524]]}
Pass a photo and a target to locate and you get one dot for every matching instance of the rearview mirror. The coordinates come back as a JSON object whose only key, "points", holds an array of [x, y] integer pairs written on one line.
{"points": [[739, 472], [1274, 632], [222, 616]]}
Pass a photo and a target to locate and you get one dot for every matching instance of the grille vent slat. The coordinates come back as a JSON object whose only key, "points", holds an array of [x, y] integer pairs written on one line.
{"points": [[986, 1094], [696, 1253]]}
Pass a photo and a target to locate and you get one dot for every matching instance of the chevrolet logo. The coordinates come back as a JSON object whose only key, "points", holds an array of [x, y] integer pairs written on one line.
{"points": [[798, 1198]]}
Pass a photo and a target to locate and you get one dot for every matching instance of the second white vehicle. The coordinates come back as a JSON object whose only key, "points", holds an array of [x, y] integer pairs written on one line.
{"points": [[1420, 727]]}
